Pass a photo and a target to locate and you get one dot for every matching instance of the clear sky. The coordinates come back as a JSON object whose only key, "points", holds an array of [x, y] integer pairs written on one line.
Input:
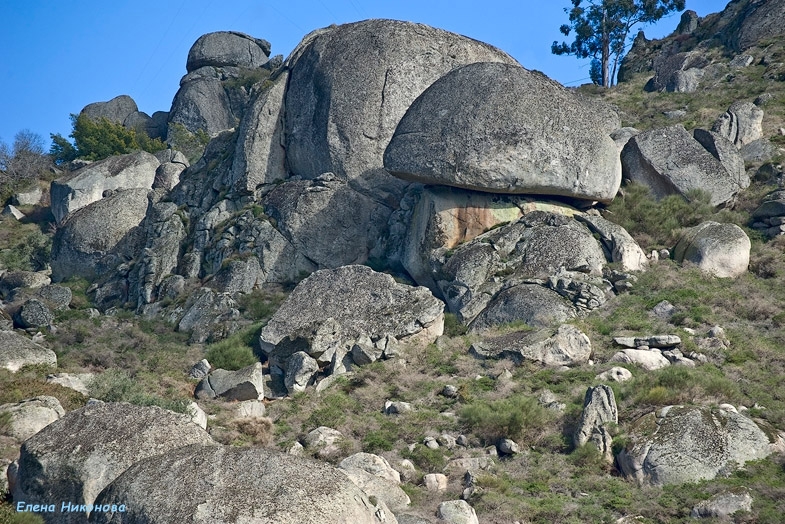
{"points": [[56, 56]]}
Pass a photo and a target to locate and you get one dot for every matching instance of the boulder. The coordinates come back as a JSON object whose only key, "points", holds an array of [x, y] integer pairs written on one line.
{"points": [[351, 84], [300, 371], [13, 280], [323, 441], [34, 313], [457, 512], [599, 410], [617, 241], [201, 484], [227, 48], [755, 23], [759, 151], [30, 197], [200, 370], [202, 103], [534, 305], [649, 360], [679, 73], [681, 444], [30, 416], [326, 220], [100, 236], [75, 457], [670, 161], [742, 123], [567, 346], [260, 157], [720, 249], [617, 374], [89, 184], [249, 409], [379, 488], [723, 505], [77, 381], [491, 127], [115, 110], [17, 351], [723, 150], [373, 464], [12, 211], [356, 301], [54, 296], [209, 315], [772, 205], [244, 384], [167, 175], [197, 414], [434, 482]]}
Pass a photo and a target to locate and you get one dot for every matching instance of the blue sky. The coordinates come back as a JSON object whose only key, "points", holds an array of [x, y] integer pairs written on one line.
{"points": [[56, 57]]}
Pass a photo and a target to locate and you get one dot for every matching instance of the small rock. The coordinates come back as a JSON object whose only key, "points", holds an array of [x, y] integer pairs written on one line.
{"points": [[665, 254], [197, 414], [435, 482], [457, 512], [462, 440], [446, 440], [324, 441], [200, 370], [296, 449], [664, 310], [12, 211], [77, 381], [397, 408], [431, 443], [617, 374], [723, 505], [407, 470], [508, 447], [250, 409], [300, 371], [450, 391], [373, 464]]}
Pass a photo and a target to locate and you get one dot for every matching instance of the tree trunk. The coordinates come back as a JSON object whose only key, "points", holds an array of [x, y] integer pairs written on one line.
{"points": [[606, 49]]}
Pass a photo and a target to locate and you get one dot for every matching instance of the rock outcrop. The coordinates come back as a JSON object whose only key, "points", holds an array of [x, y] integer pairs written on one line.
{"points": [[599, 412], [670, 161], [116, 110], [328, 311], [75, 457], [741, 123], [227, 48], [244, 384], [720, 249], [500, 128], [681, 444], [94, 181], [568, 346]]}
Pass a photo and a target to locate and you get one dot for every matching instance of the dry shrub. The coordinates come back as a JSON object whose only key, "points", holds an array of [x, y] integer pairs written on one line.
{"points": [[251, 431]]}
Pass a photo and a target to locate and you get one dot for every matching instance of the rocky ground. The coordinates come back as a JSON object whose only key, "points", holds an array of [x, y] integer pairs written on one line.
{"points": [[352, 305]]}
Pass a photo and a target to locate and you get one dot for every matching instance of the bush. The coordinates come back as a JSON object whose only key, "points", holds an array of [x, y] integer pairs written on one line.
{"points": [[505, 418], [30, 253], [192, 145], [235, 352], [99, 139]]}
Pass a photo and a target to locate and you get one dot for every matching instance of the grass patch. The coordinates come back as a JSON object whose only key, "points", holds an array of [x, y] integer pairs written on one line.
{"points": [[235, 352]]}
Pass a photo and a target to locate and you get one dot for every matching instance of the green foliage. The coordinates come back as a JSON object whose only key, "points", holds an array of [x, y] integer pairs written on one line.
{"points": [[601, 28], [505, 418], [250, 78], [192, 145], [117, 385], [234, 352], [99, 139], [9, 515], [30, 253], [452, 327], [333, 410], [427, 459]]}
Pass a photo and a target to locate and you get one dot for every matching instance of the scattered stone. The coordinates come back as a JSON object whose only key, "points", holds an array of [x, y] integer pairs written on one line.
{"points": [[324, 441], [650, 341], [549, 400], [77, 381], [723, 505], [457, 512], [12, 211], [741, 61], [407, 470], [435, 482], [200, 370], [599, 410], [397, 407], [450, 391], [508, 447], [617, 374], [250, 409], [30, 197], [300, 371], [649, 360], [197, 414], [373, 464], [664, 310], [244, 384], [33, 314], [13, 280], [431, 443]]}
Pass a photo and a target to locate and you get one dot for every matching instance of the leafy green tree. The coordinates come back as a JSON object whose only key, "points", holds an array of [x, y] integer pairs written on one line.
{"points": [[99, 139], [601, 28]]}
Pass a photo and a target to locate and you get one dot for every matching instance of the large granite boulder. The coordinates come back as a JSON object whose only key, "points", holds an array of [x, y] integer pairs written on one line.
{"points": [[757, 21], [349, 301], [670, 161], [679, 444], [116, 110], [17, 351], [227, 48], [742, 123], [723, 150], [680, 73], [28, 417], [90, 184], [500, 128], [203, 103], [349, 87], [102, 235], [720, 249], [244, 384], [15, 280], [207, 484], [567, 346], [75, 457], [531, 304], [599, 412]]}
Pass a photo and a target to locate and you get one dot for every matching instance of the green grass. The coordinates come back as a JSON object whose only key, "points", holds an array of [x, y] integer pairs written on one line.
{"points": [[235, 352]]}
